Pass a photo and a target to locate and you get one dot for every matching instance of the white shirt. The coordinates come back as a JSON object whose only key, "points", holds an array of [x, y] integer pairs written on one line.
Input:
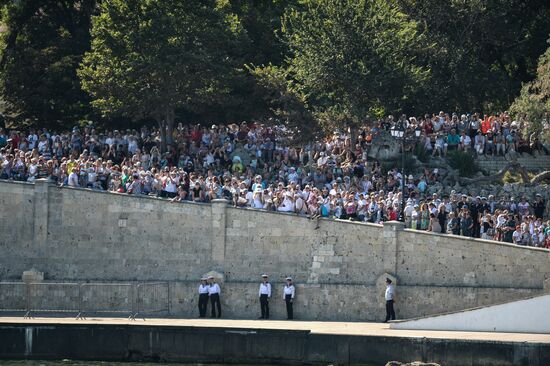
{"points": [[288, 290], [389, 292], [203, 289], [214, 289], [265, 289], [73, 179]]}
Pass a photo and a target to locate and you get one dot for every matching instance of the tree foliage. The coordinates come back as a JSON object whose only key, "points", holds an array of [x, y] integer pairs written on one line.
{"points": [[286, 104], [483, 49], [312, 64], [533, 103], [353, 57], [42, 44], [152, 57]]}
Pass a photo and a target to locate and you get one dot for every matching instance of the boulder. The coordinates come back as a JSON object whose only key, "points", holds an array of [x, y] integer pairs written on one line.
{"points": [[385, 147], [32, 276], [219, 277]]}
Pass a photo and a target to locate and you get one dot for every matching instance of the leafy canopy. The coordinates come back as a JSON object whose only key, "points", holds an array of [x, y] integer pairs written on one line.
{"points": [[355, 57], [42, 43], [150, 57], [533, 103]]}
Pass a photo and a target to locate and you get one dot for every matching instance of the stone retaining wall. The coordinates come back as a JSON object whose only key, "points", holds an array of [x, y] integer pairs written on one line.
{"points": [[339, 267]]}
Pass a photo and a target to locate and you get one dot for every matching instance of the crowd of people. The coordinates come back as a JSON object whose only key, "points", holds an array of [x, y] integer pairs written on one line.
{"points": [[256, 165]]}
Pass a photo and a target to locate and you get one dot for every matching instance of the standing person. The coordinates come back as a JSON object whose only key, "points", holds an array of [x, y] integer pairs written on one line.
{"points": [[288, 296], [265, 295], [214, 293], [203, 297], [390, 298]]}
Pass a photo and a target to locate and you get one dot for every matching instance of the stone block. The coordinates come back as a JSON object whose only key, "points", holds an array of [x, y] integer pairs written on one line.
{"points": [[32, 276]]}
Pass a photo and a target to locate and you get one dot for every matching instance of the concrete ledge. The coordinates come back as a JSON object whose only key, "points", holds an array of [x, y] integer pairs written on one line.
{"points": [[476, 240], [267, 342], [526, 315]]}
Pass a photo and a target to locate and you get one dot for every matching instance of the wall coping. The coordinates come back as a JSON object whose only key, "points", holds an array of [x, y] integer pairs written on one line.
{"points": [[379, 226], [16, 182], [477, 240]]}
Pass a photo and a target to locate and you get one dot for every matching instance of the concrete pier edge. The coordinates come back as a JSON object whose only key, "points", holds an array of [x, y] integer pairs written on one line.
{"points": [[270, 342]]}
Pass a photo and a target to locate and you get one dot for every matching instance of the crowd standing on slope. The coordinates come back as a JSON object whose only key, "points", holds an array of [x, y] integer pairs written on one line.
{"points": [[326, 178]]}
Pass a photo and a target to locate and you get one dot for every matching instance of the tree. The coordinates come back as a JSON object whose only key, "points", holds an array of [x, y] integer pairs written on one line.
{"points": [[287, 105], [483, 49], [150, 58], [352, 58], [533, 103], [42, 44]]}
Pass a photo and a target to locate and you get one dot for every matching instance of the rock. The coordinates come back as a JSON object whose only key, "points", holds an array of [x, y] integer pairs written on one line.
{"points": [[385, 147], [219, 277], [32, 276]]}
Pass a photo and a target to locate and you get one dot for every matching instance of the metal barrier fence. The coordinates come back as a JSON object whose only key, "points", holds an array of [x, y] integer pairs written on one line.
{"points": [[152, 298], [112, 298], [130, 299], [14, 297], [65, 297]]}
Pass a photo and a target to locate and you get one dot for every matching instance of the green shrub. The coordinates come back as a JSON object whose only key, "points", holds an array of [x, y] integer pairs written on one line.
{"points": [[464, 162], [509, 177], [421, 153]]}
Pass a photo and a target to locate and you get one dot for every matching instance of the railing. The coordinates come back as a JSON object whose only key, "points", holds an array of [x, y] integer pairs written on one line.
{"points": [[129, 299], [152, 298]]}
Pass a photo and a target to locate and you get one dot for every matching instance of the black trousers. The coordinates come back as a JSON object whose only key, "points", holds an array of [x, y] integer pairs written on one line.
{"points": [[264, 306], [203, 302], [289, 311], [215, 300], [390, 313]]}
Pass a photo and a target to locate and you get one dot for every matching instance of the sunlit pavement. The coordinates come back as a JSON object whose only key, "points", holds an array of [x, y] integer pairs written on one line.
{"points": [[359, 329]]}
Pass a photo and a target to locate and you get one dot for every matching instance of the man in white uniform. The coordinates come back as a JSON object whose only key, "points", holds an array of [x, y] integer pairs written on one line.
{"points": [[214, 293], [288, 296], [265, 295], [390, 298], [203, 297]]}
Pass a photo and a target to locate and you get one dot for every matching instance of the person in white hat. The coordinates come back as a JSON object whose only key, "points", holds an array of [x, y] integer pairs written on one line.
{"points": [[265, 295], [214, 293], [288, 296], [203, 297]]}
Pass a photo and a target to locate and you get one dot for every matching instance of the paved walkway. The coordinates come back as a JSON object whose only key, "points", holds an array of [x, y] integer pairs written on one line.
{"points": [[362, 329]]}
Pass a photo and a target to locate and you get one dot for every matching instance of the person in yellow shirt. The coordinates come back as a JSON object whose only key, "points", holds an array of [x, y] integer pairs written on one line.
{"points": [[237, 166], [70, 166]]}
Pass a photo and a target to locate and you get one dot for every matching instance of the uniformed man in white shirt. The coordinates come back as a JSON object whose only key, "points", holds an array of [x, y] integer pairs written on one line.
{"points": [[390, 298], [265, 295], [203, 297], [288, 296], [214, 293]]}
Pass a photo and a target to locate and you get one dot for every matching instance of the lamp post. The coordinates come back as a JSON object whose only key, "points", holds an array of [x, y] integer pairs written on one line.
{"points": [[400, 133]]}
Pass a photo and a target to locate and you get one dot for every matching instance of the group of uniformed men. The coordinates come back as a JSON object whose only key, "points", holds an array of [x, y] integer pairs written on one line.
{"points": [[209, 289]]}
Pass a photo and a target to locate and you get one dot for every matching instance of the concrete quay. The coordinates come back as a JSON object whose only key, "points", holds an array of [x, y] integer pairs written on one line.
{"points": [[261, 342]]}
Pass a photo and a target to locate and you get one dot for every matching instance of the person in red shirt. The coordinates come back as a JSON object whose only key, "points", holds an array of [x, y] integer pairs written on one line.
{"points": [[486, 124], [392, 214]]}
